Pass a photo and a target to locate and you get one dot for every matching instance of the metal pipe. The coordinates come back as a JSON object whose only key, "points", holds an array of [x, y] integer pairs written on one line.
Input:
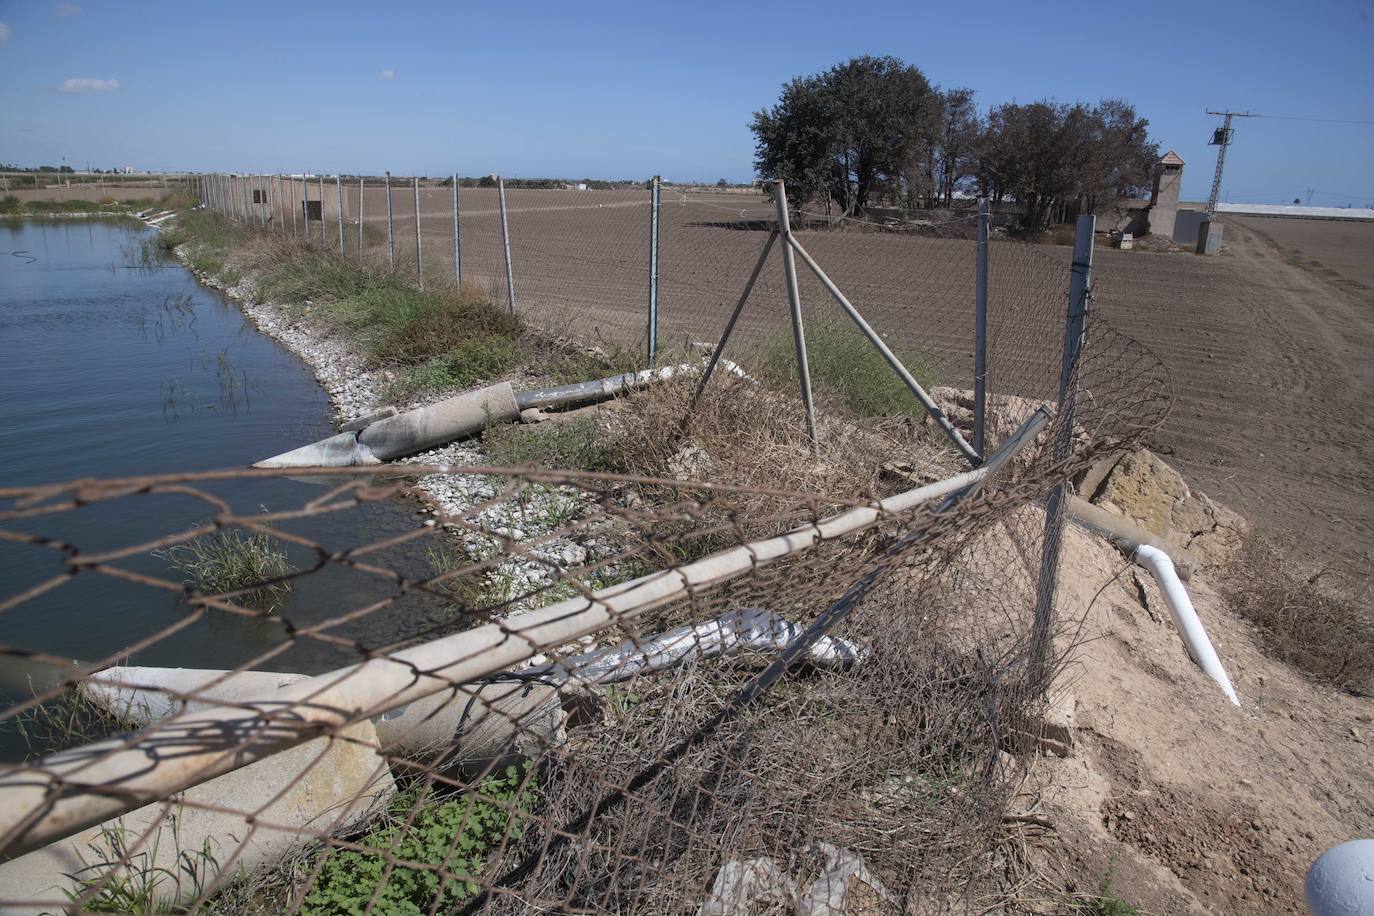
{"points": [[730, 324], [1053, 533], [419, 253], [789, 269], [505, 242], [291, 189], [262, 201], [322, 222], [980, 331], [936, 414], [653, 270], [338, 194], [71, 790], [390, 241], [361, 183], [457, 246]]}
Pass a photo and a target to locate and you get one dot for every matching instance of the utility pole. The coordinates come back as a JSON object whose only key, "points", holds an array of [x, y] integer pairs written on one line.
{"points": [[1221, 138]]}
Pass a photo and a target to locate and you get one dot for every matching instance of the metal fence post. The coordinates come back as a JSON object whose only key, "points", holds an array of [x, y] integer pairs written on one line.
{"points": [[789, 269], [323, 242], [390, 242], [419, 255], [653, 269], [281, 212], [291, 188], [361, 183], [1053, 536], [262, 201], [338, 193], [505, 242], [980, 331], [457, 240]]}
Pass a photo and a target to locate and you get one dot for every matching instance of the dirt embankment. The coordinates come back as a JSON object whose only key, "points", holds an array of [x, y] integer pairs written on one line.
{"points": [[1190, 804]]}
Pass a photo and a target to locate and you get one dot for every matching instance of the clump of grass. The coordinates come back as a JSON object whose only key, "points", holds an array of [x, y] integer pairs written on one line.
{"points": [[407, 325], [846, 368], [472, 361], [70, 720], [232, 560], [577, 443], [1321, 628], [457, 834], [124, 878]]}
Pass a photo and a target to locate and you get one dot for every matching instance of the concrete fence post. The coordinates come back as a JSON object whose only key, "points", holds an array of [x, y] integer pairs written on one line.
{"points": [[505, 241], [390, 240], [789, 269], [653, 268], [1074, 332], [980, 330]]}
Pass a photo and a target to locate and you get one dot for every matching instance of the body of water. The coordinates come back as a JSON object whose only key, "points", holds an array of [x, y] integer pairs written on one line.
{"points": [[115, 363]]}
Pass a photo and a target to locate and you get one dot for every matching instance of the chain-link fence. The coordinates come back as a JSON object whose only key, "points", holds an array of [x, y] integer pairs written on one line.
{"points": [[768, 671]]}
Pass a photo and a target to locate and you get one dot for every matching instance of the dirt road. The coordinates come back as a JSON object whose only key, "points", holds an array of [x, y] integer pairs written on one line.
{"points": [[1273, 368]]}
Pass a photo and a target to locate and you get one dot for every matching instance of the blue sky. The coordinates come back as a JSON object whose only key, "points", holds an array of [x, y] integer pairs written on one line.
{"points": [[628, 89]]}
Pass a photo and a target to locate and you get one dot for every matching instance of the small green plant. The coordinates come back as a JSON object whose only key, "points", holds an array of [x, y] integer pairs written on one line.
{"points": [[69, 720], [457, 835], [474, 360], [122, 879], [231, 560], [577, 443], [848, 368], [1106, 903]]}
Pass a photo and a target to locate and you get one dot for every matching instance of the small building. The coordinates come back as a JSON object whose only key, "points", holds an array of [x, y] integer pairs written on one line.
{"points": [[1164, 198]]}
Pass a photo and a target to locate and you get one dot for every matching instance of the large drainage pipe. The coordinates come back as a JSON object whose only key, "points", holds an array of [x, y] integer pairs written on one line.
{"points": [[394, 435], [1189, 626]]}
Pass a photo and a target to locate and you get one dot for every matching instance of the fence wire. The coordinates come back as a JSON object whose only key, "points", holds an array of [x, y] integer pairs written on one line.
{"points": [[574, 692]]}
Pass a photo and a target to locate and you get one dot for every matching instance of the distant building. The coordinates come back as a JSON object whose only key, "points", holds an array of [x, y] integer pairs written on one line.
{"points": [[1156, 216]]}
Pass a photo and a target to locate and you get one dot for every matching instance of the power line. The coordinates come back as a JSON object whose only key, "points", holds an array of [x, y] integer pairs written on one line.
{"points": [[1317, 120]]}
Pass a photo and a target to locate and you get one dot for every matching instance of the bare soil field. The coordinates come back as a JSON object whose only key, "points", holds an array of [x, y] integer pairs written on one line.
{"points": [[1268, 345], [1273, 379], [1341, 251]]}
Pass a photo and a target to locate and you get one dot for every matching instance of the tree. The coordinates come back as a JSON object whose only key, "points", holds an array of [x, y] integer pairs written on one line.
{"points": [[847, 133], [1048, 155], [957, 136]]}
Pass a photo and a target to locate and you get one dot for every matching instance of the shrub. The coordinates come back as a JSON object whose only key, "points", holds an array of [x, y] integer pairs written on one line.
{"points": [[1318, 628], [231, 560], [407, 325], [456, 835]]}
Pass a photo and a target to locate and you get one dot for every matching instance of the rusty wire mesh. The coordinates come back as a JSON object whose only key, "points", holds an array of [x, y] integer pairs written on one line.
{"points": [[557, 690]]}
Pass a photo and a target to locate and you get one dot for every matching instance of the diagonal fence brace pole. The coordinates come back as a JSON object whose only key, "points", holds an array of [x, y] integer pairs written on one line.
{"points": [[907, 378], [789, 269], [730, 325]]}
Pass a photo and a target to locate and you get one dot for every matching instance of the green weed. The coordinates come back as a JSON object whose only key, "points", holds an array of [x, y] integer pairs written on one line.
{"points": [[846, 367], [472, 361], [457, 835], [231, 560]]}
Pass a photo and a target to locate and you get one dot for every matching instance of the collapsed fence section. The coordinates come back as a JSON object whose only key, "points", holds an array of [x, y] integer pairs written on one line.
{"points": [[578, 692]]}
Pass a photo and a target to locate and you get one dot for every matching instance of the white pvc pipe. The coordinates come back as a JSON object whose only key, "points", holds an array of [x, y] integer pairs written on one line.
{"points": [[1185, 616]]}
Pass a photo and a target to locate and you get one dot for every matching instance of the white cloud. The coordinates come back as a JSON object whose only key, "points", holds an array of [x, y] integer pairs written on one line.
{"points": [[4, 34], [67, 9], [387, 74], [87, 84]]}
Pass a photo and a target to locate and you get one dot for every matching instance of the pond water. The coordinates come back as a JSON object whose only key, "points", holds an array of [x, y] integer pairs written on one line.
{"points": [[114, 362]]}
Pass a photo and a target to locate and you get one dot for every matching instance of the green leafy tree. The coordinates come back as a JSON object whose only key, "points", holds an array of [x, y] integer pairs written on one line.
{"points": [[847, 134]]}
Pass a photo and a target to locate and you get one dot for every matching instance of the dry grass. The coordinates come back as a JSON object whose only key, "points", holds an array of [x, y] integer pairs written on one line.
{"points": [[1311, 620]]}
